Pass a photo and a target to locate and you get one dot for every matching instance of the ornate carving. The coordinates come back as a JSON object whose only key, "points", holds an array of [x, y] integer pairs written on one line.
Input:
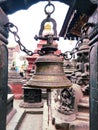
{"points": [[66, 100], [76, 29]]}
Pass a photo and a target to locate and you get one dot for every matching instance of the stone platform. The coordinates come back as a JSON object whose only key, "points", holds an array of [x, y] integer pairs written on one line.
{"points": [[43, 119], [10, 109]]}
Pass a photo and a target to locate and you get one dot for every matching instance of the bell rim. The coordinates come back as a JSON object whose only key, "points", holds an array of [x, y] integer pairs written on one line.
{"points": [[51, 85]]}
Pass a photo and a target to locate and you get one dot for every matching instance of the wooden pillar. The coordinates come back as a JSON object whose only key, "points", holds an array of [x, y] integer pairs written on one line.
{"points": [[93, 36], [94, 87], [3, 69]]}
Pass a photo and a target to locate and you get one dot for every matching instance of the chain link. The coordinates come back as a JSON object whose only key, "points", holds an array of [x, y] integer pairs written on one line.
{"points": [[14, 30], [68, 54]]}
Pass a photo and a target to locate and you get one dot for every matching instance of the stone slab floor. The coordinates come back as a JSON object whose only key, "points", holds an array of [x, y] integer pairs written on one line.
{"points": [[26, 119], [31, 121]]}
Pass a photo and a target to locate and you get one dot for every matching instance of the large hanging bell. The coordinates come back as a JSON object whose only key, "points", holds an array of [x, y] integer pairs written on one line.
{"points": [[49, 72]]}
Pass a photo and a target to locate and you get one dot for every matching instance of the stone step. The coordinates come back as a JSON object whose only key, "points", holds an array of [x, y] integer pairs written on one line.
{"points": [[12, 125], [83, 105], [82, 116], [79, 125], [83, 108], [84, 99], [10, 100], [10, 115]]}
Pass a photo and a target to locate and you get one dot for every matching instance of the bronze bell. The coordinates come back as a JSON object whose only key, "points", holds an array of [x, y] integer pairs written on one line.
{"points": [[49, 72]]}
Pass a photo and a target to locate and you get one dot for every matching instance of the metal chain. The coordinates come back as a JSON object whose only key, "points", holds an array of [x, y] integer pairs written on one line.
{"points": [[68, 54], [46, 7], [14, 30]]}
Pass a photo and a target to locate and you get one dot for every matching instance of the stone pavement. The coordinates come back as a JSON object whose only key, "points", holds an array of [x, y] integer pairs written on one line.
{"points": [[26, 119], [41, 119]]}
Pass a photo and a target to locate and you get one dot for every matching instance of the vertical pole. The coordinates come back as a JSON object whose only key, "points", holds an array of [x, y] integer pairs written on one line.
{"points": [[94, 87], [49, 105]]}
